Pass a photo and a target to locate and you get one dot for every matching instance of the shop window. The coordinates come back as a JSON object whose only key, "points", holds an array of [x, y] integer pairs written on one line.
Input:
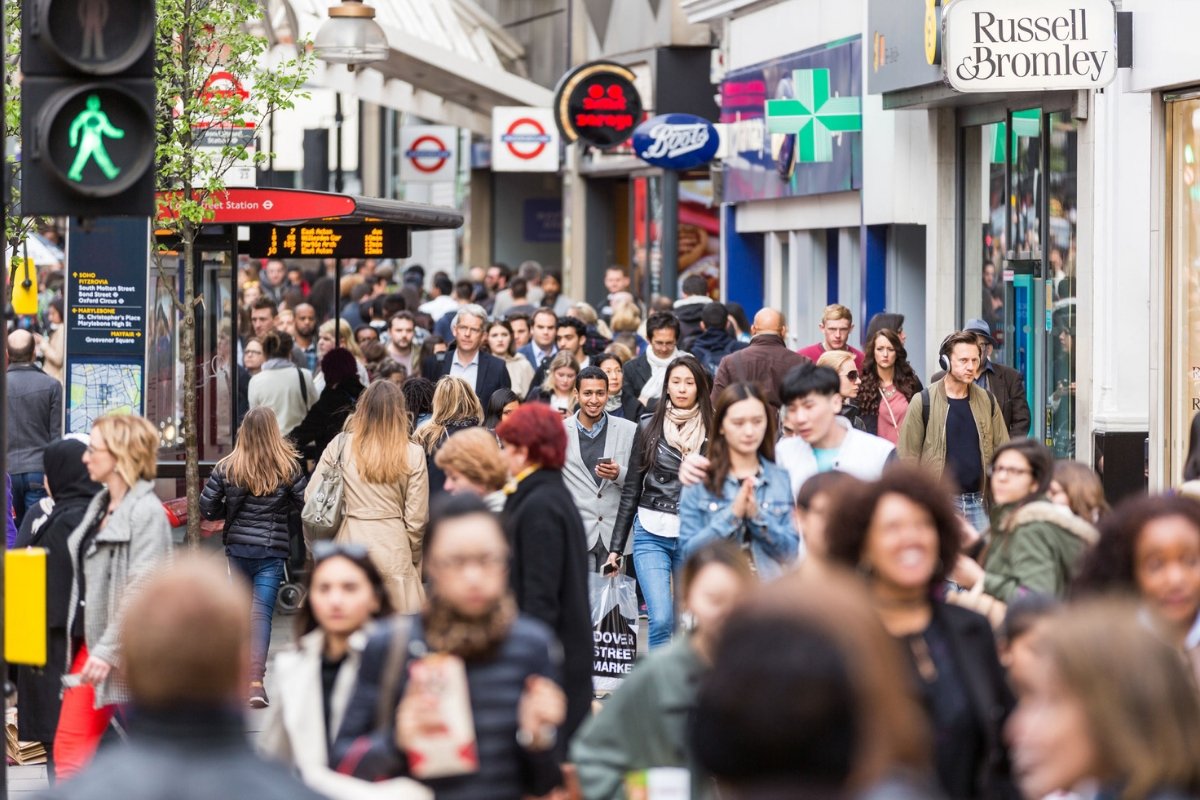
{"points": [[1183, 134], [1060, 271]]}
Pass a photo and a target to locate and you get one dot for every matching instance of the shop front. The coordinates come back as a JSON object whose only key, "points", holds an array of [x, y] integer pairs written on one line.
{"points": [[1017, 217]]}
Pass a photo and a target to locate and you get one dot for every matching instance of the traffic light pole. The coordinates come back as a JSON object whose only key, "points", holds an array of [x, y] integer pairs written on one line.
{"points": [[5, 510]]}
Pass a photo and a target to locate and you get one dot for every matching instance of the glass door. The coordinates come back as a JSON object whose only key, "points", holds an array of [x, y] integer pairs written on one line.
{"points": [[1019, 206]]}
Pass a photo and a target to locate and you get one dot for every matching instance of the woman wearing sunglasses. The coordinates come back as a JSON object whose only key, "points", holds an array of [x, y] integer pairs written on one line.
{"points": [[314, 682], [842, 362]]}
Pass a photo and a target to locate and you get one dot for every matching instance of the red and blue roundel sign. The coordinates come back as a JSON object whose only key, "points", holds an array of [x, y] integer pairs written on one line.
{"points": [[676, 141]]}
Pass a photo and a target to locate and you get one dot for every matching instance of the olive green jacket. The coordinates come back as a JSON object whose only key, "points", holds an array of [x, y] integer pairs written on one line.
{"points": [[642, 725], [1034, 549], [927, 445]]}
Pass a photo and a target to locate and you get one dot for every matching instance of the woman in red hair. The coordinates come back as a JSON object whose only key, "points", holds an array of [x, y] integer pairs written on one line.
{"points": [[549, 558]]}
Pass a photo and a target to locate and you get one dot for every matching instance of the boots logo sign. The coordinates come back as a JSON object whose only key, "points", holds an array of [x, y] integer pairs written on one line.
{"points": [[676, 141], [1029, 45]]}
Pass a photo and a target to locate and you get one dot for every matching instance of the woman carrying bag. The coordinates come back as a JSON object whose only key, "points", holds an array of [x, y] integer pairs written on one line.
{"points": [[384, 490], [255, 489]]}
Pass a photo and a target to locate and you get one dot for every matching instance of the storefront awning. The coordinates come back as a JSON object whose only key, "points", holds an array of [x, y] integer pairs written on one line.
{"points": [[448, 61]]}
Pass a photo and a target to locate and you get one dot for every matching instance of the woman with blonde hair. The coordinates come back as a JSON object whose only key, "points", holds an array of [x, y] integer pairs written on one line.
{"points": [[587, 315], [386, 490], [326, 341], [256, 489], [1104, 700], [842, 362], [626, 324], [558, 389], [455, 408], [472, 462], [123, 538]]}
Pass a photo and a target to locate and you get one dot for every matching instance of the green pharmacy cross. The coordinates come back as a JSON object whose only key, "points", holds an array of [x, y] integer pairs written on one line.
{"points": [[87, 133], [813, 115]]}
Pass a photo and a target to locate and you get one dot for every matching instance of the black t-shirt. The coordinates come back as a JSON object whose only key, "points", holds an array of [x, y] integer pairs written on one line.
{"points": [[330, 667], [963, 457]]}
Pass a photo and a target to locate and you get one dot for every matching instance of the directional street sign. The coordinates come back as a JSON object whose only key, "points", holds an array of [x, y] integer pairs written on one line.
{"points": [[813, 115]]}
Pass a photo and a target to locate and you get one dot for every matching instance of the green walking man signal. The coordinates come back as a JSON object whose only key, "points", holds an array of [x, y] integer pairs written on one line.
{"points": [[87, 133]]}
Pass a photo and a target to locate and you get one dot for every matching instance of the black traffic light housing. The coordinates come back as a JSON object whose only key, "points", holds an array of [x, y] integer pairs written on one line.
{"points": [[87, 107]]}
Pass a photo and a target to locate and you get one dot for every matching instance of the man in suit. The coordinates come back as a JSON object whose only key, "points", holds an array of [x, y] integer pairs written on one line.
{"points": [[542, 333], [598, 449], [466, 358]]}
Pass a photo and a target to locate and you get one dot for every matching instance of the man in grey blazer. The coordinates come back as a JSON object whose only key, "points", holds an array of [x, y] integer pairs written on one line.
{"points": [[598, 450]]}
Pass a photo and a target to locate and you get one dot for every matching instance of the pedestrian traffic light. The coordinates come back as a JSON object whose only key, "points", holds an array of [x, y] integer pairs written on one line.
{"points": [[87, 107]]}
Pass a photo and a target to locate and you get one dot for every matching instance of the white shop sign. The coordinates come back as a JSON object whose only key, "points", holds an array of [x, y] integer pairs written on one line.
{"points": [[1029, 45]]}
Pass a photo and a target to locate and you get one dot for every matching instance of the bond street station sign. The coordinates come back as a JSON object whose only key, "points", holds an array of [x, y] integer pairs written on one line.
{"points": [[1029, 45]]}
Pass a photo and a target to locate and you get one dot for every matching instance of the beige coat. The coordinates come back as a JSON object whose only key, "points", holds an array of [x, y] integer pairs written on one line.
{"points": [[388, 519]]}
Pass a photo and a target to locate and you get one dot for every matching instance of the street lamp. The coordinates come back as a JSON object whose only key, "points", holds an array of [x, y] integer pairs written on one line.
{"points": [[351, 36]]}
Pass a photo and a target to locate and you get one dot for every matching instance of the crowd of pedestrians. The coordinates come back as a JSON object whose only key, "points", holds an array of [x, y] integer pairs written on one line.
{"points": [[856, 583]]}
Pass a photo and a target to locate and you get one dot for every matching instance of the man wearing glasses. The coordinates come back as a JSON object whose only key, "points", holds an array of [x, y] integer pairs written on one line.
{"points": [[467, 360]]}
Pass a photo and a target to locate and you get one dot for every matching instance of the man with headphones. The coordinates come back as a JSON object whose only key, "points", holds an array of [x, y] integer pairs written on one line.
{"points": [[954, 427]]}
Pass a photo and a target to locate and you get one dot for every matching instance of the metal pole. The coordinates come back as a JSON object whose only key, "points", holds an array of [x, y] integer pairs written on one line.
{"points": [[339, 185], [5, 201]]}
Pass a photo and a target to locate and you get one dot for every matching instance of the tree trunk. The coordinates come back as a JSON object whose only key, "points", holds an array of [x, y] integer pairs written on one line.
{"points": [[187, 353]]}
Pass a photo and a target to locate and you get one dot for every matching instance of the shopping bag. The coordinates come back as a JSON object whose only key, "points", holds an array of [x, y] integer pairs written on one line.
{"points": [[614, 629]]}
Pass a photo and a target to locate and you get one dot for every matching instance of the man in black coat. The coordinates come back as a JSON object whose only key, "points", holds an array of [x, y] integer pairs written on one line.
{"points": [[549, 574], [468, 359]]}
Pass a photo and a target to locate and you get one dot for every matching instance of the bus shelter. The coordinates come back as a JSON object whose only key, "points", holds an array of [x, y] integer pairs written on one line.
{"points": [[286, 224]]}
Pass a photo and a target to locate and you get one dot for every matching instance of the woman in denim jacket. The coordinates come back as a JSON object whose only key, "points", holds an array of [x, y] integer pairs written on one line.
{"points": [[746, 497]]}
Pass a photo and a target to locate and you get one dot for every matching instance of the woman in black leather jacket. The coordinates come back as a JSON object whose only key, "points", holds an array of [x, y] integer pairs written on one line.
{"points": [[254, 489], [680, 425]]}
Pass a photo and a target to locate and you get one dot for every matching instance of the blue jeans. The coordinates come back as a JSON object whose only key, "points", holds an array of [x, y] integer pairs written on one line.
{"points": [[971, 506], [265, 575], [657, 559], [27, 489]]}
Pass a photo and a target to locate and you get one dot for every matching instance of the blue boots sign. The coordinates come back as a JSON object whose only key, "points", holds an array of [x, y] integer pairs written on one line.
{"points": [[676, 141]]}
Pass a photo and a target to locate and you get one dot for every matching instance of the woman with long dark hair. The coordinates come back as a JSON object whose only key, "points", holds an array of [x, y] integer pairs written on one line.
{"points": [[255, 490], [745, 497], [888, 384], [681, 425]]}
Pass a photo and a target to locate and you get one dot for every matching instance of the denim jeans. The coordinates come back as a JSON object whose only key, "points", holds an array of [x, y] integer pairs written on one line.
{"points": [[265, 575], [972, 507], [27, 489], [657, 559]]}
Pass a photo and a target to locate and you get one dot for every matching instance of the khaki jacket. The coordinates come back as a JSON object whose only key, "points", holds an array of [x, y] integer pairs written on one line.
{"points": [[927, 446]]}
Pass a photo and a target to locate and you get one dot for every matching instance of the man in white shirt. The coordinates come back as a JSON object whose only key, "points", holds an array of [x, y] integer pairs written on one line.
{"points": [[826, 441], [443, 301], [482, 371]]}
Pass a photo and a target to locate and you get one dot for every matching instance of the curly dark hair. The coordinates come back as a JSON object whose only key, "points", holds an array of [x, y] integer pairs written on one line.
{"points": [[1109, 566], [905, 379], [850, 523]]}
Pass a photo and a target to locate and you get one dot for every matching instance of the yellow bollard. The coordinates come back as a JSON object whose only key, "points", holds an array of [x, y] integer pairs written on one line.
{"points": [[25, 606]]}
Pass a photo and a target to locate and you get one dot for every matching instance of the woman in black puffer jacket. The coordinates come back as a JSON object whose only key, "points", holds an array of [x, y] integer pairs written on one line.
{"points": [[255, 489]]}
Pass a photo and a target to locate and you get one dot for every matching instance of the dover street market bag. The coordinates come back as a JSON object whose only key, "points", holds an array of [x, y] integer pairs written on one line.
{"points": [[325, 509], [614, 629]]}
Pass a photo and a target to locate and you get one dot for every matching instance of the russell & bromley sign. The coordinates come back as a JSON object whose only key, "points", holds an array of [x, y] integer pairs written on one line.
{"points": [[1029, 45]]}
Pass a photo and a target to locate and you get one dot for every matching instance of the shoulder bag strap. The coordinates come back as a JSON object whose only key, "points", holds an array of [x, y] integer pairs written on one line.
{"points": [[303, 387], [393, 671]]}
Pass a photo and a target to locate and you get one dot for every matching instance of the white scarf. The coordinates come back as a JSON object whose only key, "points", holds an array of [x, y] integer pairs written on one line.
{"points": [[658, 373]]}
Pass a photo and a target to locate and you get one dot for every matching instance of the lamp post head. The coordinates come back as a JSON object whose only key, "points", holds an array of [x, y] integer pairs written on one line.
{"points": [[351, 36]]}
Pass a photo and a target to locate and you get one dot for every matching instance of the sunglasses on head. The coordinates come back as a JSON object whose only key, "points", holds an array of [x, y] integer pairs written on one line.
{"points": [[351, 550]]}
